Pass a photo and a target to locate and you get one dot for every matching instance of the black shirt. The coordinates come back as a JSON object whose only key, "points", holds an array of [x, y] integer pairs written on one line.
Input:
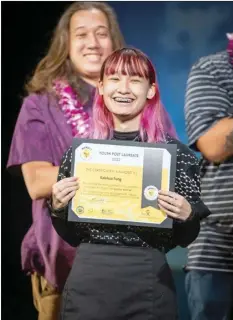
{"points": [[183, 233]]}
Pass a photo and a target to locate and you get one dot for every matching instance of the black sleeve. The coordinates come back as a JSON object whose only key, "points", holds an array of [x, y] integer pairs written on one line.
{"points": [[188, 185], [66, 230]]}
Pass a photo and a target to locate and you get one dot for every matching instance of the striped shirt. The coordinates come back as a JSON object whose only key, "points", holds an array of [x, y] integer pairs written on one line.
{"points": [[209, 98]]}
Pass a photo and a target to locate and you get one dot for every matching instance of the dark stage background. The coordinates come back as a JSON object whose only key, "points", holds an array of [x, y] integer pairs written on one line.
{"points": [[173, 34]]}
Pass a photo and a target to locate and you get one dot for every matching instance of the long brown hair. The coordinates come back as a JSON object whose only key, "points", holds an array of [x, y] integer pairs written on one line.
{"points": [[56, 63]]}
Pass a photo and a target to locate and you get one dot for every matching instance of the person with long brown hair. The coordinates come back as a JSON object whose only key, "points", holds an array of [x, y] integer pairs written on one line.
{"points": [[120, 270], [58, 107]]}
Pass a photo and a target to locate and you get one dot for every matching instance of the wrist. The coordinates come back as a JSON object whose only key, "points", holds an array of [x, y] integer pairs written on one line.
{"points": [[59, 212]]}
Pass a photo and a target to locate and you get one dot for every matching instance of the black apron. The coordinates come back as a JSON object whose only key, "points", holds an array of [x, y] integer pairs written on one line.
{"points": [[109, 282]]}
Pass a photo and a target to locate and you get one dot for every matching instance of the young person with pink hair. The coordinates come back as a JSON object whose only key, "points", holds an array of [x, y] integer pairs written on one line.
{"points": [[120, 271]]}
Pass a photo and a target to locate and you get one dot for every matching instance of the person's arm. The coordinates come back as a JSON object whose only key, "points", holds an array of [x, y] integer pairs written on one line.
{"points": [[212, 143], [229, 142], [30, 152], [39, 177], [185, 232], [206, 113], [68, 231], [186, 221]]}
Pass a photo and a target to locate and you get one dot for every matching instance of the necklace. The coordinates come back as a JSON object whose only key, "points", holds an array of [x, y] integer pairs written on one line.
{"points": [[72, 108]]}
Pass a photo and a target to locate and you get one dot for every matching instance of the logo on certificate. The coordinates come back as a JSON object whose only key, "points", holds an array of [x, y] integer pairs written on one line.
{"points": [[79, 210], [86, 153], [151, 193]]}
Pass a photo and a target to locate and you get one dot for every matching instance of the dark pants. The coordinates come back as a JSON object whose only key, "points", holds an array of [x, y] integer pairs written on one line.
{"points": [[210, 295], [109, 282]]}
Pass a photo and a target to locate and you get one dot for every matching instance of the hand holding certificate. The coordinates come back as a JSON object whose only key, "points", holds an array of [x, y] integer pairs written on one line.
{"points": [[119, 182]]}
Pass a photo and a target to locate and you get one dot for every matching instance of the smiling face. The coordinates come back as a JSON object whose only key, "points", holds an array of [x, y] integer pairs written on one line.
{"points": [[90, 42], [125, 95]]}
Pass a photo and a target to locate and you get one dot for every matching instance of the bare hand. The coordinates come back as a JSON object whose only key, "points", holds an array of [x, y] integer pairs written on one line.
{"points": [[174, 205], [63, 191]]}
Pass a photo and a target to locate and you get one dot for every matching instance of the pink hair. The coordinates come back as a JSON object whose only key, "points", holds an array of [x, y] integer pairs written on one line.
{"points": [[155, 123]]}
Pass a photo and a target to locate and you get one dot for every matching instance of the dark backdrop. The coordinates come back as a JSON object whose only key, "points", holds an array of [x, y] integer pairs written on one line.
{"points": [[173, 34]]}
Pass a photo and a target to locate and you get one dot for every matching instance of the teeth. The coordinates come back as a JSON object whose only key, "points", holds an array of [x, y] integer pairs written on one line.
{"points": [[125, 100]]}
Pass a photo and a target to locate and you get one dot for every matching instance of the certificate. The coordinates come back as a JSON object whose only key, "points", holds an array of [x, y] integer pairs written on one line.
{"points": [[120, 180]]}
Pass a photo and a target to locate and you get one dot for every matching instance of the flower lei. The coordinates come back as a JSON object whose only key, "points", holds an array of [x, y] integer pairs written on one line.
{"points": [[72, 108]]}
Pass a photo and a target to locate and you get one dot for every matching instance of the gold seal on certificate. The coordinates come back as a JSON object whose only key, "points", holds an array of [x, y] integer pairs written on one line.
{"points": [[120, 181]]}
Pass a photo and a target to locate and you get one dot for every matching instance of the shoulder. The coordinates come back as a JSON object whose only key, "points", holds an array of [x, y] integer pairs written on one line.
{"points": [[38, 100], [211, 62], [35, 107]]}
